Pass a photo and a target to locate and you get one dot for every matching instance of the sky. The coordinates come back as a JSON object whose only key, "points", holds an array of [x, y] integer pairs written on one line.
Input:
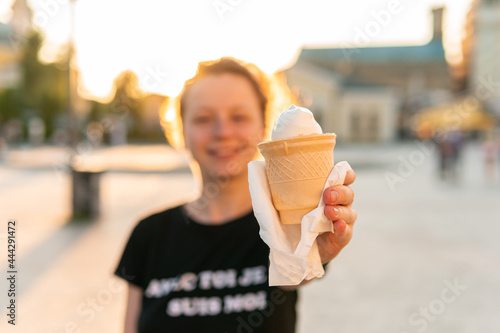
{"points": [[162, 41]]}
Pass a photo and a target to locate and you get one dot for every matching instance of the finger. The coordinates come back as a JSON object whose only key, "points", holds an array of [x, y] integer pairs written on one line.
{"points": [[345, 213], [339, 228], [331, 244], [338, 195], [350, 177], [342, 233]]}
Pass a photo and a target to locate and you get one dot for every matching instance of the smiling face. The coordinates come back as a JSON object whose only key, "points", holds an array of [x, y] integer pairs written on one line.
{"points": [[222, 124]]}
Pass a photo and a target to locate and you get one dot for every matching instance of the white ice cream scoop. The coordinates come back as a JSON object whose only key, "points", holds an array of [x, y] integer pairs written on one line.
{"points": [[294, 122]]}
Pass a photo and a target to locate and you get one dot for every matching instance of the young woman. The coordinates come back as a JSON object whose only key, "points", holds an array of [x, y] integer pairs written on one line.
{"points": [[201, 266]]}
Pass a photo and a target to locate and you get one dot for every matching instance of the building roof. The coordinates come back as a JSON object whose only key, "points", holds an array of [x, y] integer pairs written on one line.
{"points": [[491, 2], [430, 52]]}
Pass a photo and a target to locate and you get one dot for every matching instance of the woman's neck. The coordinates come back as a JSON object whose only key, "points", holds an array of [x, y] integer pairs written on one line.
{"points": [[221, 200]]}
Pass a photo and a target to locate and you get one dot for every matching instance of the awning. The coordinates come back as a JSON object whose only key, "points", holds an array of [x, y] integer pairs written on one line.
{"points": [[464, 115]]}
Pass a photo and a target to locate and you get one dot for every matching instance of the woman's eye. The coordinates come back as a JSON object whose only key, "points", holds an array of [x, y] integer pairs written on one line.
{"points": [[201, 119], [239, 117]]}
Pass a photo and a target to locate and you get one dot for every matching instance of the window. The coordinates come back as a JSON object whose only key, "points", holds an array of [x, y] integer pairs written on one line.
{"points": [[364, 125], [372, 130], [355, 126]]}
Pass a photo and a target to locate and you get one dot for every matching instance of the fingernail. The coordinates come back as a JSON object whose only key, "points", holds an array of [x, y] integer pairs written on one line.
{"points": [[336, 211], [334, 196]]}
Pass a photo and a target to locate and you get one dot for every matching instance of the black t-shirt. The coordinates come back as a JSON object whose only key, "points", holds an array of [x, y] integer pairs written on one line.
{"points": [[204, 278]]}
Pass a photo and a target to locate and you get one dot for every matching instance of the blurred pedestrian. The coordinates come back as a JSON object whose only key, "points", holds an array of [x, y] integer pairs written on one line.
{"points": [[14, 131], [36, 131], [456, 140], [490, 149], [445, 151], [450, 145], [3, 148]]}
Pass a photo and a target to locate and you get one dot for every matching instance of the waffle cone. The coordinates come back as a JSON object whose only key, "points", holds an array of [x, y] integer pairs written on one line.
{"points": [[297, 170]]}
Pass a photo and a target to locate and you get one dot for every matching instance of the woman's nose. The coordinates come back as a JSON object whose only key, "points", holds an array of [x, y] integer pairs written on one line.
{"points": [[222, 128]]}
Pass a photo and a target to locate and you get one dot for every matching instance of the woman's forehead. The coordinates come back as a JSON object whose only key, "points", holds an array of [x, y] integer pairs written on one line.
{"points": [[221, 90], [226, 81]]}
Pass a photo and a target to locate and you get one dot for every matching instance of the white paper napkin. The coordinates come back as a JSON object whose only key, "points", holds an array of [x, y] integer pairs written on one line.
{"points": [[294, 253]]}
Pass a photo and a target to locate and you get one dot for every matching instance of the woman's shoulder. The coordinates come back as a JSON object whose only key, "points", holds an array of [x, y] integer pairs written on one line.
{"points": [[159, 220]]}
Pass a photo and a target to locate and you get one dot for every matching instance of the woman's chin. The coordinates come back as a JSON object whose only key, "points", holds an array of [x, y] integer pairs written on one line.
{"points": [[228, 171], [226, 174]]}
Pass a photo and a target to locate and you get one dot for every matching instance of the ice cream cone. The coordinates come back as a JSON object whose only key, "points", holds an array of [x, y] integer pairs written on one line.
{"points": [[297, 169]]}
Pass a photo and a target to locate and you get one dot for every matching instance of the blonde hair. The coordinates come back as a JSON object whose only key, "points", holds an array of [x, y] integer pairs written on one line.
{"points": [[273, 95]]}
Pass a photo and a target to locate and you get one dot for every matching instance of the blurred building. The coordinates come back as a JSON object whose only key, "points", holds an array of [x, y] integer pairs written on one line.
{"points": [[12, 36], [481, 52], [367, 94], [10, 71], [21, 20]]}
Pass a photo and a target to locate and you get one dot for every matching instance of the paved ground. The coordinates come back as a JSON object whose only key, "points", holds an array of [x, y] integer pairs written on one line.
{"points": [[425, 256], [410, 244]]}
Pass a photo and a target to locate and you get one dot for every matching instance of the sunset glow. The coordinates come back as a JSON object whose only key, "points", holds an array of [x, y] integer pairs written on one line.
{"points": [[163, 41]]}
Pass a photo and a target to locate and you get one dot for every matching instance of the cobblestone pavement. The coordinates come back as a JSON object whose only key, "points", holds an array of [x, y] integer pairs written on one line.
{"points": [[424, 258]]}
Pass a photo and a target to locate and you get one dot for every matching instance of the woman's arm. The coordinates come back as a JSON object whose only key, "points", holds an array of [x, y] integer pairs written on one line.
{"points": [[290, 288], [134, 303]]}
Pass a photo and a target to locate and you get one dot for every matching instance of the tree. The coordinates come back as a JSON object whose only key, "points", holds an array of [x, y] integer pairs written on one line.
{"points": [[43, 89], [125, 102]]}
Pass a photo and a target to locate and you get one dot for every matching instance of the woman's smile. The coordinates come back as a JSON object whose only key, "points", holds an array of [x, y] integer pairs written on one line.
{"points": [[224, 153]]}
